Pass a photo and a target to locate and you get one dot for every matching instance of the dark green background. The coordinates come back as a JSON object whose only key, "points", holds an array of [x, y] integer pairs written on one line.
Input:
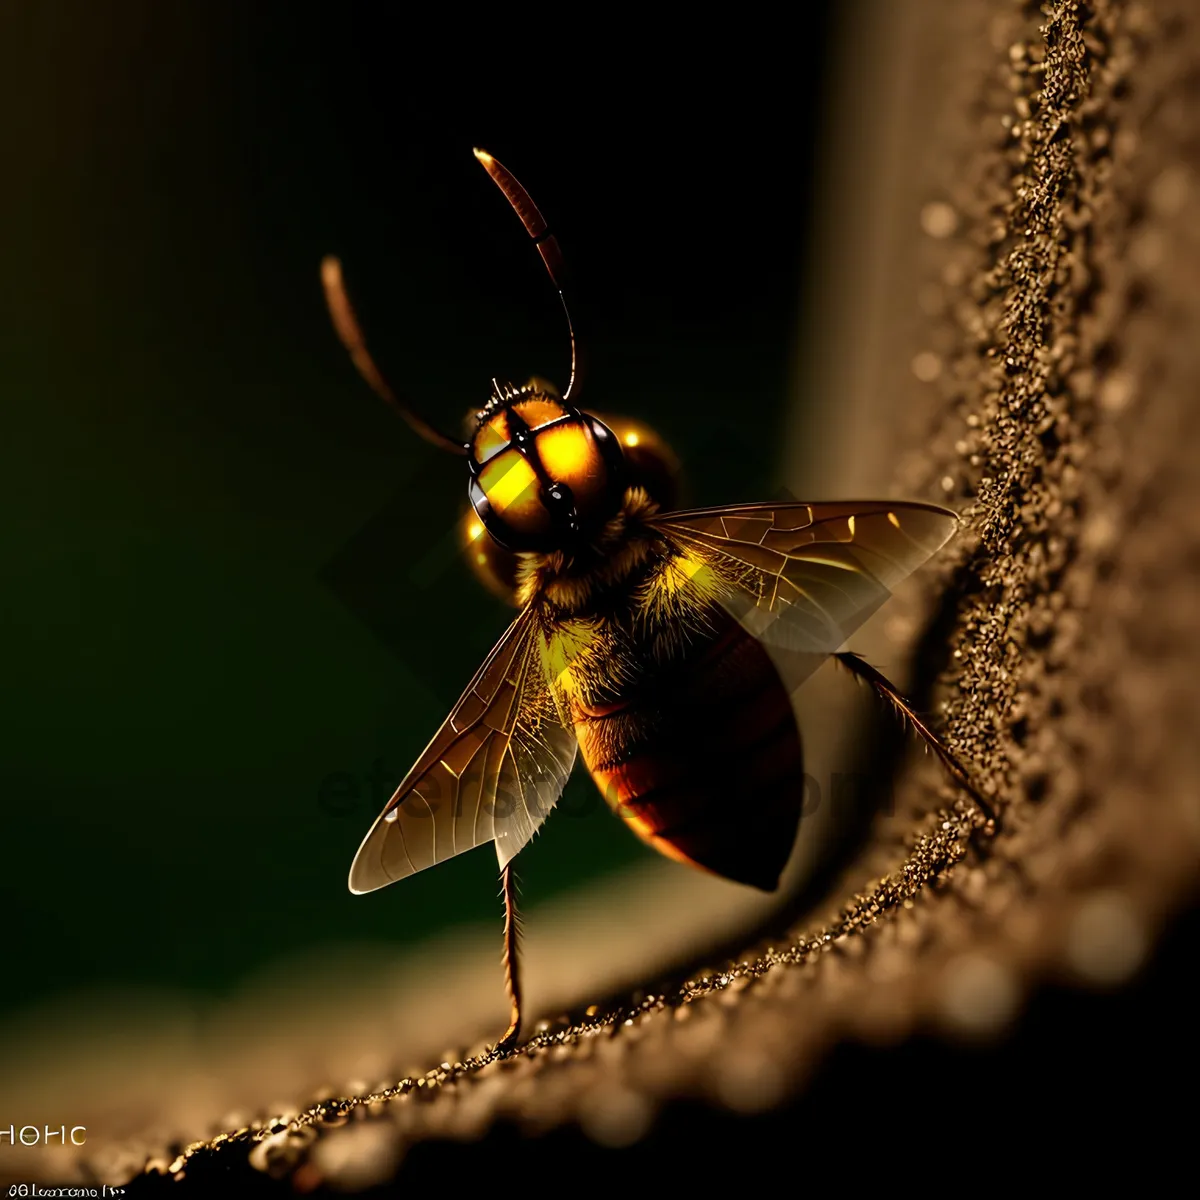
{"points": [[218, 543]]}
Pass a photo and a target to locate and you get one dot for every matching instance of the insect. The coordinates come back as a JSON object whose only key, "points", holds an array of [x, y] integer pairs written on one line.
{"points": [[662, 647]]}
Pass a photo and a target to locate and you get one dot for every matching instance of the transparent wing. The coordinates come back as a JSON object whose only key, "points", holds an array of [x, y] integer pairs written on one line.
{"points": [[493, 771], [803, 577]]}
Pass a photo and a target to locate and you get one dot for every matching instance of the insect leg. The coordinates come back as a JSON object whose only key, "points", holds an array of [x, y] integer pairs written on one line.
{"points": [[512, 965], [858, 666]]}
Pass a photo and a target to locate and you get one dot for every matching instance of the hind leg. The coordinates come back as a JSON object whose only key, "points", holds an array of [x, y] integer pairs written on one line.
{"points": [[863, 670]]}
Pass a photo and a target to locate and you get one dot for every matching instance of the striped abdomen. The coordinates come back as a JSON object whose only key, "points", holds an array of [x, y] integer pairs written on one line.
{"points": [[704, 761]]}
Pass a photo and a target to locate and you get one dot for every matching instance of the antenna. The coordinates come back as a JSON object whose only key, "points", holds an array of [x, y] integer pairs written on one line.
{"points": [[543, 239], [346, 324]]}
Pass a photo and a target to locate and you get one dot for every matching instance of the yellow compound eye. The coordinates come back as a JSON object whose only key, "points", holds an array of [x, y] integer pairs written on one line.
{"points": [[569, 454], [511, 487], [559, 479]]}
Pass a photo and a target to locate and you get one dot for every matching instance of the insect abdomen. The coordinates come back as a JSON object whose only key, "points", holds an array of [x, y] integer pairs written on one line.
{"points": [[705, 761]]}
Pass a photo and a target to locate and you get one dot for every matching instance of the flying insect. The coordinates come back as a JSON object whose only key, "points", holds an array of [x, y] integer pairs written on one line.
{"points": [[663, 647]]}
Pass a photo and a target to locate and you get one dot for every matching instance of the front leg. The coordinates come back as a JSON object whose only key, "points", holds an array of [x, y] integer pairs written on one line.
{"points": [[512, 965]]}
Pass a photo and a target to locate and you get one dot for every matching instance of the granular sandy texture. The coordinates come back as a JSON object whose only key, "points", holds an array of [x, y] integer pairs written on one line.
{"points": [[1054, 369]]}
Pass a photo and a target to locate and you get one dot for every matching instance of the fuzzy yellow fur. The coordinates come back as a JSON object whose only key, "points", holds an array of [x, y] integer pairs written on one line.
{"points": [[589, 658]]}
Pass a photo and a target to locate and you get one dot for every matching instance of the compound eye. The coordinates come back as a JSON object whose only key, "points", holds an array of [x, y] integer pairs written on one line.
{"points": [[575, 464], [568, 452], [511, 488]]}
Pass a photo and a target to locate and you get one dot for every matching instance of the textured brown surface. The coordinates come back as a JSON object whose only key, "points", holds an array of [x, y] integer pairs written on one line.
{"points": [[1047, 382]]}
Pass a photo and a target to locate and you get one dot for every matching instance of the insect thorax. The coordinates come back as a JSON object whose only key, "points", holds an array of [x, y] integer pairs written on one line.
{"points": [[639, 611]]}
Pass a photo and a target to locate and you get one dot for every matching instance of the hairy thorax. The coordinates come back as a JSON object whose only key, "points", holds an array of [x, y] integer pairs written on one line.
{"points": [[619, 619]]}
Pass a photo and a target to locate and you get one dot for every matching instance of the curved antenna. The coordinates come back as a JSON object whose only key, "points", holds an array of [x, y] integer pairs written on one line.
{"points": [[543, 239], [346, 324]]}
